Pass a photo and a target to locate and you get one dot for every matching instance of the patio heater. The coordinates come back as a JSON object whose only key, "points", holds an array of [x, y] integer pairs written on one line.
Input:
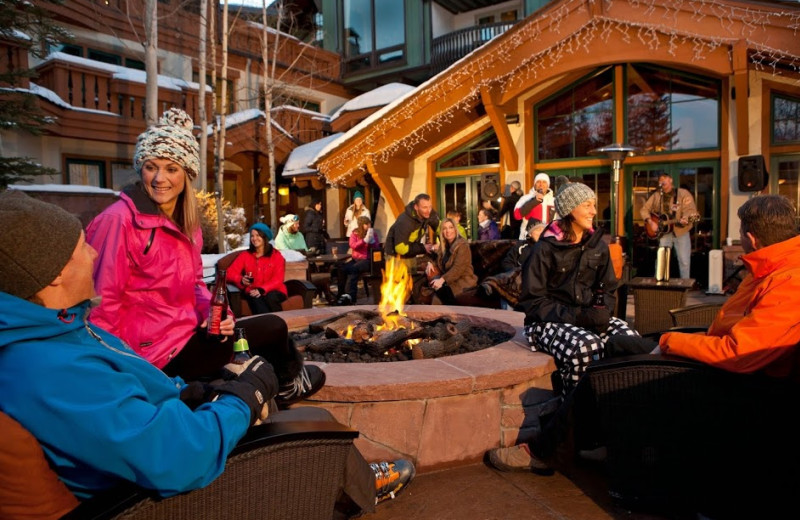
{"points": [[617, 153]]}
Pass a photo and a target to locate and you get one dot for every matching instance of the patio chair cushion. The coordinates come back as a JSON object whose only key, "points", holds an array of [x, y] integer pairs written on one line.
{"points": [[28, 487]]}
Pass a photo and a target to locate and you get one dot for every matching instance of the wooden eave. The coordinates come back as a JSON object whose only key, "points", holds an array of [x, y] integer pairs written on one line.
{"points": [[249, 137], [561, 38]]}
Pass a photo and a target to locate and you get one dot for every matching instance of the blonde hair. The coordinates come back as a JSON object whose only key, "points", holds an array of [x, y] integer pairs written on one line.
{"points": [[187, 215]]}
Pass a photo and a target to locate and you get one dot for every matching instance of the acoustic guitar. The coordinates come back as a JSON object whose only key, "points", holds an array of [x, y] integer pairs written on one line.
{"points": [[660, 225]]}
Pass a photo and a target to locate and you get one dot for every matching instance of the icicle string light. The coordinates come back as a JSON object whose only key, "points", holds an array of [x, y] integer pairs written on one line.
{"points": [[663, 28]]}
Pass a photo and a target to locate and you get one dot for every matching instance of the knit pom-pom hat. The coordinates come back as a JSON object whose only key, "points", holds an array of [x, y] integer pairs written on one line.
{"points": [[171, 138], [572, 195]]}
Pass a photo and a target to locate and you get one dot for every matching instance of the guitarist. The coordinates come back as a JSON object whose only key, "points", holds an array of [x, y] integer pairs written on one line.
{"points": [[671, 204]]}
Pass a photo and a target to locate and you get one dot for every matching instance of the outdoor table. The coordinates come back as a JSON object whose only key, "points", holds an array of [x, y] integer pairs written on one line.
{"points": [[329, 260], [652, 301]]}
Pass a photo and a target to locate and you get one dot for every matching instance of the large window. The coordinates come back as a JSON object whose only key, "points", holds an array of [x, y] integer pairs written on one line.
{"points": [[374, 33], [575, 121], [85, 172], [671, 111], [785, 120], [485, 150]]}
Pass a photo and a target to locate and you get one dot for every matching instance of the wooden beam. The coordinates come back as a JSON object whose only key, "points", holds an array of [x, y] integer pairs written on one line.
{"points": [[741, 87], [387, 188], [498, 119]]}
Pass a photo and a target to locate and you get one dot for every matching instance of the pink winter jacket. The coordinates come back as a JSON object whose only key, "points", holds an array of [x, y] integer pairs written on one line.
{"points": [[150, 277]]}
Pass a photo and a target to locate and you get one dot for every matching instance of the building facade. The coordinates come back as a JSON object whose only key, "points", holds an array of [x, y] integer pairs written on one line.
{"points": [[692, 87]]}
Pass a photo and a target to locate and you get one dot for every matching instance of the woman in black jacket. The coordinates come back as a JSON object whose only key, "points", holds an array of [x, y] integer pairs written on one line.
{"points": [[568, 286], [314, 227]]}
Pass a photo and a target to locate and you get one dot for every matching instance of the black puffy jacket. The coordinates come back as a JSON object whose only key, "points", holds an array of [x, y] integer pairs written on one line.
{"points": [[559, 278]]}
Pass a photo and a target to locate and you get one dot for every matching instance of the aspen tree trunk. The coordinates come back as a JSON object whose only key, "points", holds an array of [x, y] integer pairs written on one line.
{"points": [[220, 160], [201, 100], [151, 61], [267, 85]]}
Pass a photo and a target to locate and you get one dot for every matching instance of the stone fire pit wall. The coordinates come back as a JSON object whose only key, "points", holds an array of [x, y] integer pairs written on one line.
{"points": [[439, 412]]}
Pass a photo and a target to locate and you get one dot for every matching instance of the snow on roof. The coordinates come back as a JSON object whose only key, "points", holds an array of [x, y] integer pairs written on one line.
{"points": [[56, 100], [63, 188], [299, 159], [375, 116], [313, 113], [377, 97], [243, 116], [125, 73]]}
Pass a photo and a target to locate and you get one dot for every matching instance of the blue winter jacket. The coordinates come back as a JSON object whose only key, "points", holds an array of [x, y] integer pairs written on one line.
{"points": [[102, 413]]}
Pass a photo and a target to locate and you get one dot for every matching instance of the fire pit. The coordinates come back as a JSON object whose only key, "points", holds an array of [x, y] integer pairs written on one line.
{"points": [[361, 336], [442, 411]]}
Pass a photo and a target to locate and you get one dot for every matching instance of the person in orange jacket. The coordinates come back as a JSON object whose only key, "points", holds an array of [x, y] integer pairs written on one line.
{"points": [[757, 328]]}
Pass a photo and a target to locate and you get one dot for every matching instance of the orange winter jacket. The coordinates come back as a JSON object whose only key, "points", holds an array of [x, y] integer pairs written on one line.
{"points": [[757, 329]]}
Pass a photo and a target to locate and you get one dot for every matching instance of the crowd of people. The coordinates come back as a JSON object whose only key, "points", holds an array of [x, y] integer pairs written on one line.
{"points": [[134, 373]]}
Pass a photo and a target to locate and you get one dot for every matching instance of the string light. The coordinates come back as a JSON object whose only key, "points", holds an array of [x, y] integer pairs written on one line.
{"points": [[662, 29]]}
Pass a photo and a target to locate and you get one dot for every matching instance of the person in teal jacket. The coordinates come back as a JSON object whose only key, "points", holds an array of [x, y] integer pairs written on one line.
{"points": [[103, 414], [289, 235]]}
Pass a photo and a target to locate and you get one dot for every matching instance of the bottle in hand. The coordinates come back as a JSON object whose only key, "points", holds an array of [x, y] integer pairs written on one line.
{"points": [[219, 306], [241, 349], [599, 299]]}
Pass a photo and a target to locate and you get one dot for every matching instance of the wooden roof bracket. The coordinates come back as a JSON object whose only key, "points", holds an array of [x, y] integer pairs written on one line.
{"points": [[498, 120], [386, 185], [741, 94]]}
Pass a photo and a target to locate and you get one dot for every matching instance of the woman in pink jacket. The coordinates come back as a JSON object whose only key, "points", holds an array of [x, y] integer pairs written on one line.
{"points": [[259, 272], [149, 271], [362, 239]]}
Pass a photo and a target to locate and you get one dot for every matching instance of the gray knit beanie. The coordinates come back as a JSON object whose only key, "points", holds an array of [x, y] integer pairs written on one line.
{"points": [[572, 195], [37, 241], [171, 139]]}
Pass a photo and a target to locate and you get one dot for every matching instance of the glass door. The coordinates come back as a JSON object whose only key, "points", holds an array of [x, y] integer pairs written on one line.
{"points": [[701, 179], [462, 194]]}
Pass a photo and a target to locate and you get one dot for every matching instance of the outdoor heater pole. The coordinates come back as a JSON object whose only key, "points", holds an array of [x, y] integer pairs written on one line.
{"points": [[617, 153]]}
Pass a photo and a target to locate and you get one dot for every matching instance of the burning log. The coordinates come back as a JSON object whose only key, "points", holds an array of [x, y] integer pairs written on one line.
{"points": [[361, 330], [432, 348], [320, 325], [394, 338]]}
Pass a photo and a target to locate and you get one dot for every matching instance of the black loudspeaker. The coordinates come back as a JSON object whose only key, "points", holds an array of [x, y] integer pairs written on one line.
{"points": [[753, 174], [490, 185]]}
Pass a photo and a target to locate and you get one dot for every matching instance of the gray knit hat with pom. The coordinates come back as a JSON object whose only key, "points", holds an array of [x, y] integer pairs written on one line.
{"points": [[171, 138], [572, 195], [37, 241]]}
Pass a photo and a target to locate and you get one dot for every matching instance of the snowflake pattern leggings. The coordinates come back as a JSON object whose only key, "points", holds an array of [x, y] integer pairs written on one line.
{"points": [[573, 347]]}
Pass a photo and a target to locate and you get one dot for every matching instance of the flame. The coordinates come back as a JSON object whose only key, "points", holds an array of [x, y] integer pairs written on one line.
{"points": [[349, 333], [396, 287]]}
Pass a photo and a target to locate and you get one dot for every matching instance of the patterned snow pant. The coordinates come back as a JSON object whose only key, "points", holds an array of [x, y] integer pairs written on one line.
{"points": [[573, 347]]}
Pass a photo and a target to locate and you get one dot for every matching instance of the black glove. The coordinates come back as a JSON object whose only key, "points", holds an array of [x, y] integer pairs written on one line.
{"points": [[196, 393], [255, 386], [593, 318]]}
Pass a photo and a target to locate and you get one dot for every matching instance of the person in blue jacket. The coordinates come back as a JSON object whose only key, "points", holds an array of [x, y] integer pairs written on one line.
{"points": [[101, 412]]}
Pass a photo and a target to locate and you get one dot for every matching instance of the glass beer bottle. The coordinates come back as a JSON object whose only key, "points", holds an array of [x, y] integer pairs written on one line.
{"points": [[241, 348], [219, 306]]}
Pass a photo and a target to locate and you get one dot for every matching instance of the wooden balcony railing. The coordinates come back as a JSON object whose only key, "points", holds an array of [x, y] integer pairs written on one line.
{"points": [[83, 86], [447, 49], [304, 126]]}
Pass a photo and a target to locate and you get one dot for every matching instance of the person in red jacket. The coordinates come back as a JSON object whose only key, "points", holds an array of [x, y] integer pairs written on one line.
{"points": [[259, 272], [757, 328]]}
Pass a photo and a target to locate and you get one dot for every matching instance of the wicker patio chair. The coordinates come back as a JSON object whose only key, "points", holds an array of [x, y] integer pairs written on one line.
{"points": [[700, 315], [286, 470], [682, 434]]}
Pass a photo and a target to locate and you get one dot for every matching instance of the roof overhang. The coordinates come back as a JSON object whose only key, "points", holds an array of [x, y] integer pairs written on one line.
{"points": [[560, 39]]}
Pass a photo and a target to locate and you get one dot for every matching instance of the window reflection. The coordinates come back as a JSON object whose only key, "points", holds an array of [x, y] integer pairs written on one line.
{"points": [[788, 186], [785, 120], [374, 33], [575, 121], [485, 150], [670, 111]]}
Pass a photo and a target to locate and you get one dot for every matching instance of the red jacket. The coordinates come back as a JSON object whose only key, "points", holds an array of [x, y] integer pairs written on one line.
{"points": [[268, 271], [757, 328]]}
